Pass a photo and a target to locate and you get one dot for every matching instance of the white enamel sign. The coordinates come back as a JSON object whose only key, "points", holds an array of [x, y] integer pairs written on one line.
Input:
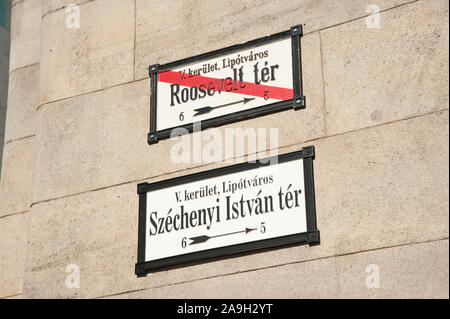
{"points": [[226, 208], [230, 84]]}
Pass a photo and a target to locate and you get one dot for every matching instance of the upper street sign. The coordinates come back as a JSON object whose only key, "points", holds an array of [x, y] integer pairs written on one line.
{"points": [[235, 83], [228, 210]]}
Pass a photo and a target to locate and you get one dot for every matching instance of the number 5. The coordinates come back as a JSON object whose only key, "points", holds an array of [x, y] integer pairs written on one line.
{"points": [[263, 228]]}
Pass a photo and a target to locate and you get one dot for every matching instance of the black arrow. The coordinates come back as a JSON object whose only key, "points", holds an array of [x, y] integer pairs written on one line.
{"points": [[207, 109], [204, 238]]}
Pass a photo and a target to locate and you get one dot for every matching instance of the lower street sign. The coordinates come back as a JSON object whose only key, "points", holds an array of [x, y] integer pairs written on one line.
{"points": [[228, 210]]}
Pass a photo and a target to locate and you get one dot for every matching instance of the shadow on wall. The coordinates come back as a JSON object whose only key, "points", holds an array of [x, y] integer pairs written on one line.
{"points": [[5, 14]]}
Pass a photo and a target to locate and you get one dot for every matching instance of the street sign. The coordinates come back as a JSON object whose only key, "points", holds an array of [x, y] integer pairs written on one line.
{"points": [[228, 210], [235, 83]]}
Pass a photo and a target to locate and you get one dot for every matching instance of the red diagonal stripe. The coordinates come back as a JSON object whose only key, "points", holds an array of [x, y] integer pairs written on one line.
{"points": [[250, 88]]}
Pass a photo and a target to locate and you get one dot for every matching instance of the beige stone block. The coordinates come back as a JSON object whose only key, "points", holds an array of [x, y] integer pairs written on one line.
{"points": [[102, 143], [411, 271], [162, 38], [96, 231], [380, 187], [22, 102], [25, 34], [17, 176], [374, 76], [77, 151], [386, 185], [13, 242], [314, 279], [97, 55]]}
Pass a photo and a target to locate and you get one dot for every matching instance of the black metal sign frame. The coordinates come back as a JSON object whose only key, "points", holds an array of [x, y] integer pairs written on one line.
{"points": [[311, 236], [297, 102]]}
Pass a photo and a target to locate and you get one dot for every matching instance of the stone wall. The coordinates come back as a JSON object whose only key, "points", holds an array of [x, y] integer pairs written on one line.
{"points": [[18, 153], [5, 14], [75, 147]]}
